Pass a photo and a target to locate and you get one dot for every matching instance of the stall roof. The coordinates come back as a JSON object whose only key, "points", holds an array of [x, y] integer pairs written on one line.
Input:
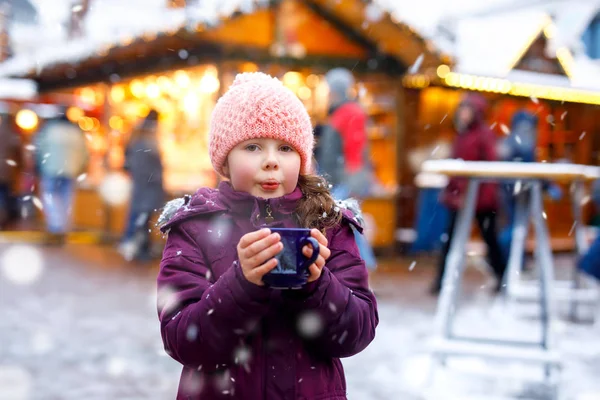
{"points": [[109, 24], [490, 43]]}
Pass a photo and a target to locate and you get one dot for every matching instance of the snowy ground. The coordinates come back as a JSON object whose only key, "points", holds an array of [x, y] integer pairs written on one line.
{"points": [[78, 323]]}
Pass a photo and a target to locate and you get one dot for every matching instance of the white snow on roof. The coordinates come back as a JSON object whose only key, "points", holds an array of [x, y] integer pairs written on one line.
{"points": [[17, 89], [108, 23], [486, 46], [428, 14], [484, 38]]}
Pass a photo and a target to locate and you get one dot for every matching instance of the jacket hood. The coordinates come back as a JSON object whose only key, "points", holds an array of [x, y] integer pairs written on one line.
{"points": [[478, 104]]}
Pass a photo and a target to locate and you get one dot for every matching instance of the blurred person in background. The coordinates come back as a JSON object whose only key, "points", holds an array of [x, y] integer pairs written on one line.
{"points": [[144, 165], [475, 142], [10, 159], [519, 146], [590, 262], [431, 219], [61, 156], [342, 151]]}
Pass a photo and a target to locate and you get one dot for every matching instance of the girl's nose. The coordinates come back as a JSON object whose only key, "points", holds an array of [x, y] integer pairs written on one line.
{"points": [[271, 162]]}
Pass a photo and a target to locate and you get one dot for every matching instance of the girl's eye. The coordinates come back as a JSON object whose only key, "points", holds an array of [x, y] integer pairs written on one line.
{"points": [[252, 147], [286, 148]]}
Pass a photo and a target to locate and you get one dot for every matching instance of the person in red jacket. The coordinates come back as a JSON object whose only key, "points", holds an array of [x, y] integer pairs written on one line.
{"points": [[475, 142]]}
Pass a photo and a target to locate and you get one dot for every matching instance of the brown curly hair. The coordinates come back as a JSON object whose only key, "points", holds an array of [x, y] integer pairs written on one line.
{"points": [[317, 208]]}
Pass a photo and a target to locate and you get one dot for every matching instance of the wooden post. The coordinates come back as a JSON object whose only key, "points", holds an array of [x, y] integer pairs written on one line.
{"points": [[5, 50]]}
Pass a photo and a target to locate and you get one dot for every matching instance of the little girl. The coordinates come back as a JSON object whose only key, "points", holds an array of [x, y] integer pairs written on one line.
{"points": [[236, 337]]}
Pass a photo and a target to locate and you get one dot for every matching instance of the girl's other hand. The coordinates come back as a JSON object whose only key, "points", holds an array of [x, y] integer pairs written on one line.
{"points": [[256, 251], [324, 253]]}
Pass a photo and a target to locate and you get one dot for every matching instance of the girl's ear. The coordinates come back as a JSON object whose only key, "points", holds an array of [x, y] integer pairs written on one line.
{"points": [[226, 169]]}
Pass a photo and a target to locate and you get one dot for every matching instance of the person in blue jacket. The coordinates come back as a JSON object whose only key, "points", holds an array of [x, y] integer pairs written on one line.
{"points": [[590, 262], [520, 146]]}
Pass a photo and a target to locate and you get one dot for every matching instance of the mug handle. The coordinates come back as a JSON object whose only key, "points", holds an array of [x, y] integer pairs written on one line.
{"points": [[315, 254]]}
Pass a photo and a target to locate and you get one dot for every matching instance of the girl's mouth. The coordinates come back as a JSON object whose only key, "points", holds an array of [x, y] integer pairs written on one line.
{"points": [[270, 186]]}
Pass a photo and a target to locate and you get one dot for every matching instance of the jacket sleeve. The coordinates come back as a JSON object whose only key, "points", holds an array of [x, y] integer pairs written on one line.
{"points": [[341, 299], [202, 323]]}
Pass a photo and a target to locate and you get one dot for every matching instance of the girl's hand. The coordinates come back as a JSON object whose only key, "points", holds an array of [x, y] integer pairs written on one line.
{"points": [[324, 253], [256, 251]]}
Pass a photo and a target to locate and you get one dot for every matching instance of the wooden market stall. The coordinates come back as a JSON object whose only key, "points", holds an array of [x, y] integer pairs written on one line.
{"points": [[182, 71], [537, 81]]}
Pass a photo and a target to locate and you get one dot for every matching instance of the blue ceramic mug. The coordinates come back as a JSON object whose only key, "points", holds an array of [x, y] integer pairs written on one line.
{"points": [[291, 271]]}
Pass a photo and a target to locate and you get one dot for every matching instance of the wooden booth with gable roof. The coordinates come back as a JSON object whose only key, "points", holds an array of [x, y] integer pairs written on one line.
{"points": [[182, 70], [530, 70]]}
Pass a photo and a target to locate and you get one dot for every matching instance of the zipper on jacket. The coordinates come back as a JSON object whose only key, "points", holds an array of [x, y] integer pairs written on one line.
{"points": [[269, 218]]}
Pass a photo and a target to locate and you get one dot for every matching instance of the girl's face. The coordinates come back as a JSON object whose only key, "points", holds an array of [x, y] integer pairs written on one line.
{"points": [[266, 168]]}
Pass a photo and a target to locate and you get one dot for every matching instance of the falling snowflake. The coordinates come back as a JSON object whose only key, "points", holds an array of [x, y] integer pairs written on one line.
{"points": [[41, 343], [534, 99], [192, 333], [22, 264], [310, 325], [412, 265], [572, 228], [212, 310], [167, 299], [544, 215], [81, 177], [563, 115], [416, 65], [373, 13], [332, 307], [504, 129], [116, 366], [242, 355], [12, 163], [582, 135], [178, 252], [115, 189]]}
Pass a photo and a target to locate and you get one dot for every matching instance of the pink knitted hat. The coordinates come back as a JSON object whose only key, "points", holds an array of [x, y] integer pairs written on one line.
{"points": [[259, 106]]}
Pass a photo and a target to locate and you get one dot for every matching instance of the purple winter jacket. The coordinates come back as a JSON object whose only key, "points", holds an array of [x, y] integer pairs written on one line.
{"points": [[238, 340]]}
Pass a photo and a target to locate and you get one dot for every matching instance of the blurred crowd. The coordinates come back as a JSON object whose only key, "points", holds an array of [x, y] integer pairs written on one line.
{"points": [[43, 174]]}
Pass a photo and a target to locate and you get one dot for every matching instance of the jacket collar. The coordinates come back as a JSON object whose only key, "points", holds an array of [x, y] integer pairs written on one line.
{"points": [[244, 203]]}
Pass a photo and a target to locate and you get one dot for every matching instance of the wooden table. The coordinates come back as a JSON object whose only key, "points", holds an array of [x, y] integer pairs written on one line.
{"points": [[529, 178]]}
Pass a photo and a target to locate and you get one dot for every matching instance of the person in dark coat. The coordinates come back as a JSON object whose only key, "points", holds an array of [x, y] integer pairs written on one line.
{"points": [[236, 337], [475, 142], [144, 165], [10, 160]]}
